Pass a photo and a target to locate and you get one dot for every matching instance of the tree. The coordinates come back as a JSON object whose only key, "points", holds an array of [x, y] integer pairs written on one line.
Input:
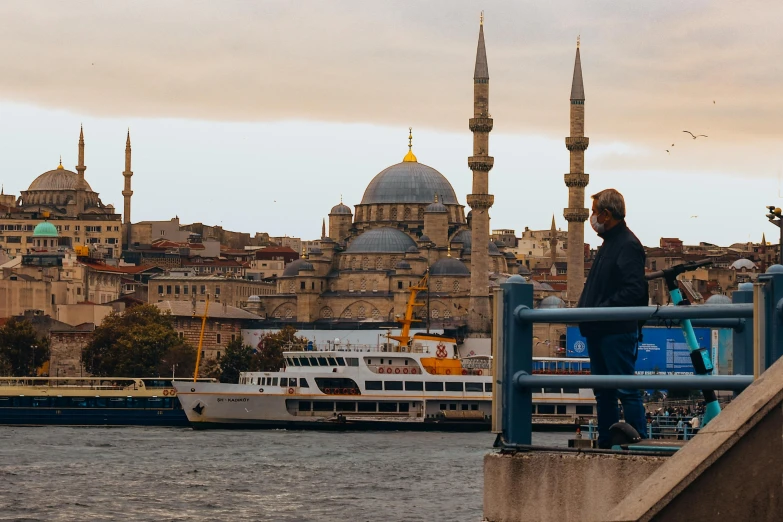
{"points": [[179, 360], [135, 343], [237, 358], [272, 345], [22, 352]]}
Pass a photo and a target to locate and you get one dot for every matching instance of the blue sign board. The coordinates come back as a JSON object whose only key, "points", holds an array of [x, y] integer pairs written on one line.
{"points": [[662, 350]]}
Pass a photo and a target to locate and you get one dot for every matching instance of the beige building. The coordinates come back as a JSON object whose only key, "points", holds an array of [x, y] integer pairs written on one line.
{"points": [[535, 247], [224, 324], [66, 199], [189, 288]]}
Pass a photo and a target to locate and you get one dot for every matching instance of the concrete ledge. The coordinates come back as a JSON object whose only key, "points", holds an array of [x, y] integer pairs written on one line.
{"points": [[733, 470], [559, 486]]}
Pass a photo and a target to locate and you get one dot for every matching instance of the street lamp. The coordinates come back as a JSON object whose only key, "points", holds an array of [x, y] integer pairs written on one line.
{"points": [[775, 217]]}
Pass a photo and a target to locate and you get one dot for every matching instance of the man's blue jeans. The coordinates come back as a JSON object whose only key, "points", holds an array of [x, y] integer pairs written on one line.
{"points": [[615, 354]]}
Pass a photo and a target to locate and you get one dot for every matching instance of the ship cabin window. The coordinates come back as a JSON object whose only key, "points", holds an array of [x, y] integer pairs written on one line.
{"points": [[433, 386], [406, 362], [368, 407], [323, 406], [546, 409], [387, 407], [414, 386], [442, 406], [552, 390], [453, 406], [488, 387], [373, 385], [313, 361], [474, 387], [346, 406], [340, 361], [561, 409], [295, 360], [584, 410], [454, 386], [464, 407], [474, 407], [332, 361], [404, 407], [305, 406], [284, 381], [322, 361], [352, 361], [303, 383], [274, 381], [304, 361], [574, 391], [393, 385]]}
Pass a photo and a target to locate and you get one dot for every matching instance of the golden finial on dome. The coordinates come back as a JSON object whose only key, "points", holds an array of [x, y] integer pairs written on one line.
{"points": [[436, 197], [448, 250], [577, 41], [60, 166], [410, 156]]}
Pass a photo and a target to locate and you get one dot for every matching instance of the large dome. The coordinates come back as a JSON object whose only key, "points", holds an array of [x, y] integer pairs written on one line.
{"points": [[409, 182], [384, 239], [58, 179], [449, 266]]}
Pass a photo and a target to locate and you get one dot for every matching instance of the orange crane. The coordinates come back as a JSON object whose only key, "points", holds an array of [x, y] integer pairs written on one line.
{"points": [[405, 338]]}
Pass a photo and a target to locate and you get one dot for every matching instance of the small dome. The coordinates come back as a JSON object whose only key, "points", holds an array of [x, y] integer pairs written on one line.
{"points": [[254, 299], [523, 270], [739, 264], [436, 208], [537, 285], [413, 250], [466, 238], [341, 209], [449, 266], [718, 299], [59, 179], [509, 255], [403, 265], [552, 301], [293, 268], [384, 239], [408, 182], [424, 238], [45, 229], [493, 249]]}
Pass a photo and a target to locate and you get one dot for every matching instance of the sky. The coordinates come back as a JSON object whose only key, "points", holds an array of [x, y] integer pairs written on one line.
{"points": [[260, 116]]}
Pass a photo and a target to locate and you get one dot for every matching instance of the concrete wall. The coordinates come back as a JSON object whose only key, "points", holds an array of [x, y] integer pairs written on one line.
{"points": [[558, 486]]}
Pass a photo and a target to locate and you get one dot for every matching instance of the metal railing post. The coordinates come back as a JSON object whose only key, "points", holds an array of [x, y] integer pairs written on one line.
{"points": [[742, 340], [773, 311], [497, 360], [517, 356]]}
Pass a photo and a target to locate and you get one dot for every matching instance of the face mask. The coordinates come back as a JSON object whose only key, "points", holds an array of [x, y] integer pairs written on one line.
{"points": [[598, 227]]}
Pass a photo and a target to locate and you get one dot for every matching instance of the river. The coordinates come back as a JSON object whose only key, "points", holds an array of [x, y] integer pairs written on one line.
{"points": [[162, 474]]}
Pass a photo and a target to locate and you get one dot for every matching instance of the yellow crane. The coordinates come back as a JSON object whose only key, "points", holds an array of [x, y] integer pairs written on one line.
{"points": [[200, 337], [405, 338]]}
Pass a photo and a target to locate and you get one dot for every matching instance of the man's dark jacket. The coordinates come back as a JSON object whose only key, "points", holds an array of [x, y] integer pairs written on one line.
{"points": [[615, 279]]}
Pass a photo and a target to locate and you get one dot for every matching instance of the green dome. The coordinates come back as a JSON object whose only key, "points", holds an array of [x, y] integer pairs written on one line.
{"points": [[45, 229]]}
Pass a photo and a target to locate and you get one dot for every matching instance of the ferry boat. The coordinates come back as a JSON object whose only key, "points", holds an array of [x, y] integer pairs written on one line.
{"points": [[424, 385], [89, 401], [418, 382]]}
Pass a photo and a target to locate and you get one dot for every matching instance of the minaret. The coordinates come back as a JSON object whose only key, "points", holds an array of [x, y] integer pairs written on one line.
{"points": [[553, 242], [127, 192], [80, 168], [576, 180], [323, 228], [479, 313]]}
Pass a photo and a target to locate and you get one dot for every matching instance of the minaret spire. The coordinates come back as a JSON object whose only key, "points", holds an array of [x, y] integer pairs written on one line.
{"points": [[127, 192], [480, 200], [323, 228], [80, 168], [576, 180]]}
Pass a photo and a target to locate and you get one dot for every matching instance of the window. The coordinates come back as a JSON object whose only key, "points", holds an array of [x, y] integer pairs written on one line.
{"points": [[176, 289], [399, 285], [313, 361], [454, 386], [464, 407], [474, 387], [305, 406], [160, 289], [303, 383], [352, 361], [452, 406], [322, 361], [218, 339], [433, 386], [332, 361], [301, 285], [340, 361], [185, 289], [323, 406], [414, 386], [373, 385], [387, 407], [546, 409], [304, 361], [571, 390], [168, 289], [274, 381], [203, 289], [392, 385], [193, 289], [474, 407], [368, 406], [284, 381], [443, 406], [217, 290], [584, 410], [552, 390], [404, 407], [218, 354]]}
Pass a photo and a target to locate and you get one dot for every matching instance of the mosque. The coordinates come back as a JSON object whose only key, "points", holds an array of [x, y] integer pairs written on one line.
{"points": [[409, 223]]}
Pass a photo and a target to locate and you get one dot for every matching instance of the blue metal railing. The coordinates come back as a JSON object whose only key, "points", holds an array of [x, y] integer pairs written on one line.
{"points": [[756, 314]]}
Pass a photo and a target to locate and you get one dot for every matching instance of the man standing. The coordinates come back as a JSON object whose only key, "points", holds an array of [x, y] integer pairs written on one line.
{"points": [[616, 279]]}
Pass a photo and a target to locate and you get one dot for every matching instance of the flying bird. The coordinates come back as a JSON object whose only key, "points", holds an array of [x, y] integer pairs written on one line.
{"points": [[696, 135], [694, 216], [667, 150]]}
